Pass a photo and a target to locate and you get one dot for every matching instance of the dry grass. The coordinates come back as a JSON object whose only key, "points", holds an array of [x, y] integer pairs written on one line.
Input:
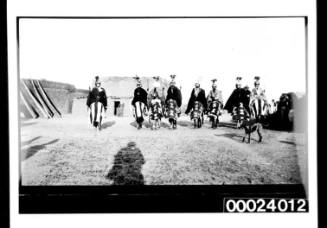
{"points": [[68, 151]]}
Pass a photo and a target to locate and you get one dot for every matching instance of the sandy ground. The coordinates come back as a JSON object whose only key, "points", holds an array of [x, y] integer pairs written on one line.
{"points": [[68, 151]]}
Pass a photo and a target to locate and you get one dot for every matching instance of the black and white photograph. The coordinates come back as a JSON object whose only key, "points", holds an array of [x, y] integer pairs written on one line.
{"points": [[162, 101], [163, 113]]}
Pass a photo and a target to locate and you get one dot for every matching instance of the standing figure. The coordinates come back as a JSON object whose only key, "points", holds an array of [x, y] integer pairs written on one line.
{"points": [[197, 103], [258, 101], [239, 95], [173, 103], [155, 111], [139, 103], [97, 104], [155, 103], [214, 104]]}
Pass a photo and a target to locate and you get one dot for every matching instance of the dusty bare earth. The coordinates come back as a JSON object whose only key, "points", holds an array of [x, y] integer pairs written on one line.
{"points": [[68, 151]]}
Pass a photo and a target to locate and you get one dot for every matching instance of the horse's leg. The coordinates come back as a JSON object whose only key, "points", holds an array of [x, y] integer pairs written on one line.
{"points": [[259, 128], [249, 134]]}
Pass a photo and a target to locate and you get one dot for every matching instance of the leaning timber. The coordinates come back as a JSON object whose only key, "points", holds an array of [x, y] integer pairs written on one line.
{"points": [[40, 100], [34, 99], [47, 107], [46, 98], [30, 110]]}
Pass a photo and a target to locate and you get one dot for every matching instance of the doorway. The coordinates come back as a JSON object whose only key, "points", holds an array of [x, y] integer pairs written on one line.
{"points": [[116, 106]]}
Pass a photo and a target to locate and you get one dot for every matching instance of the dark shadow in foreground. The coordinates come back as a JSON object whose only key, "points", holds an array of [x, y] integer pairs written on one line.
{"points": [[30, 151], [107, 124], [127, 166]]}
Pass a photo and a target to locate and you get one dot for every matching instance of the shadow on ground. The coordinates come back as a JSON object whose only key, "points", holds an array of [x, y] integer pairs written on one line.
{"points": [[236, 137], [107, 124], [127, 166], [147, 124], [24, 124], [30, 151], [229, 125], [288, 142], [29, 141]]}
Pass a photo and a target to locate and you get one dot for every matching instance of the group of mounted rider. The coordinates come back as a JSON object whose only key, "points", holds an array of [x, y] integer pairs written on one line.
{"points": [[243, 104]]}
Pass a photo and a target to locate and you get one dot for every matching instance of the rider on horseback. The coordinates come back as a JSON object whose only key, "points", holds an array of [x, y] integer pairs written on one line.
{"points": [[174, 93], [139, 102], [238, 95], [97, 94], [214, 95], [140, 94], [97, 103], [258, 94], [197, 94]]}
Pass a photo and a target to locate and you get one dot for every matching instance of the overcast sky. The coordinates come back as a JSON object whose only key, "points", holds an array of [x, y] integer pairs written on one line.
{"points": [[75, 50]]}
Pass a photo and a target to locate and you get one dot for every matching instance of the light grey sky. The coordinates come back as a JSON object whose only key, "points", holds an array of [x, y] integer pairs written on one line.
{"points": [[75, 50]]}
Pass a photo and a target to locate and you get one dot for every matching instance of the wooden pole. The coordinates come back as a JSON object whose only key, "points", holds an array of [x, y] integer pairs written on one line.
{"points": [[48, 100], [41, 101], [34, 100], [34, 116]]}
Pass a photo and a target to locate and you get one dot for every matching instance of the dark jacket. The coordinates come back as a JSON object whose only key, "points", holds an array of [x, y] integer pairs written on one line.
{"points": [[140, 95], [201, 98], [237, 96], [97, 95], [174, 93]]}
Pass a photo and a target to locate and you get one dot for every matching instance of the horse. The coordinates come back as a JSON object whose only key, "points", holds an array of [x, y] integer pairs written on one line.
{"points": [[214, 112], [96, 112], [197, 114], [171, 113], [155, 114], [139, 112]]}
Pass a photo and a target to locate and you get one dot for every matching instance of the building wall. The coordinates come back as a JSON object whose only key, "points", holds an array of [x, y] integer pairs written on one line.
{"points": [[125, 108], [122, 89], [61, 94]]}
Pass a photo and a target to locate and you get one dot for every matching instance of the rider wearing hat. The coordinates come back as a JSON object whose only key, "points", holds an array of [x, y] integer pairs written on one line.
{"points": [[173, 92], [139, 93], [157, 91], [214, 94], [97, 94], [257, 92], [238, 96], [197, 94]]}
